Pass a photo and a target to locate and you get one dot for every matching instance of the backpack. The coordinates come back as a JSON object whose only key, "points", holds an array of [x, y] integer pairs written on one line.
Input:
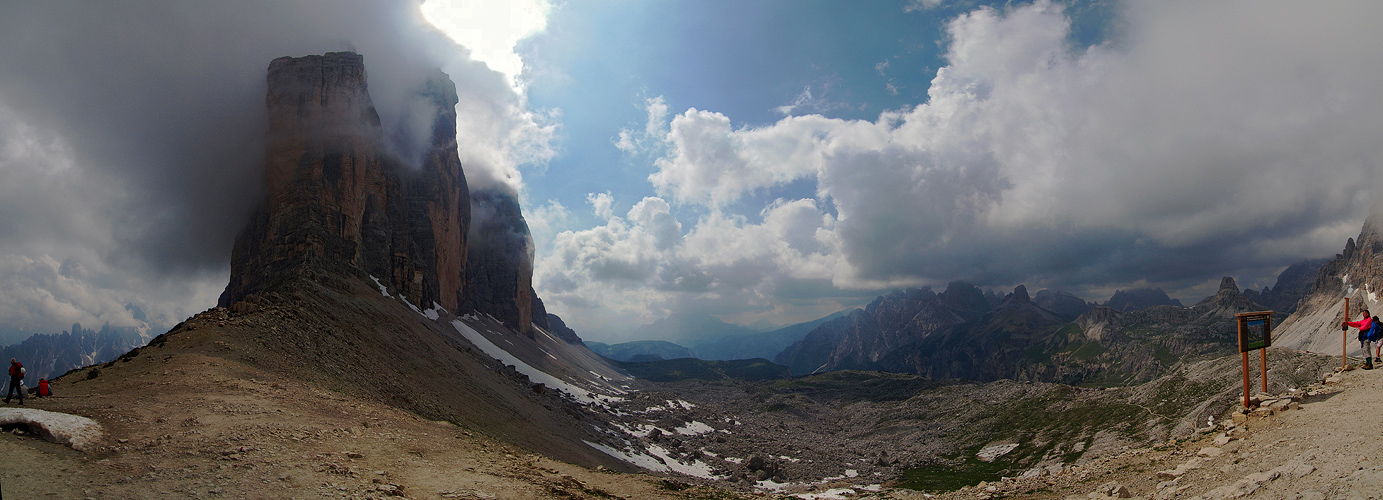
{"points": [[1375, 331], [43, 389]]}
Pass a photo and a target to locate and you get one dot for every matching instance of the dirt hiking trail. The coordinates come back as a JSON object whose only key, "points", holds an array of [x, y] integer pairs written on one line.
{"points": [[1327, 447]]}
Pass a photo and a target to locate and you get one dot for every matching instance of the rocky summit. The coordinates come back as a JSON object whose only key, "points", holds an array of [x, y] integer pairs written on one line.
{"points": [[339, 199], [336, 200]]}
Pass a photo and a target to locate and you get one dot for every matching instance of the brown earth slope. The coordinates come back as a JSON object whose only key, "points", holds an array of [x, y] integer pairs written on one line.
{"points": [[390, 404]]}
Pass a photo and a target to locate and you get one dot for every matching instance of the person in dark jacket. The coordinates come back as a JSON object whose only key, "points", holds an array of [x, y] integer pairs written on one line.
{"points": [[16, 376]]}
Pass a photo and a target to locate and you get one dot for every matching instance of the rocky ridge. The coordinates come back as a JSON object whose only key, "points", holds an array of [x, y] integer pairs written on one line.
{"points": [[50, 355], [1140, 298], [960, 333], [340, 199], [858, 340], [1356, 273]]}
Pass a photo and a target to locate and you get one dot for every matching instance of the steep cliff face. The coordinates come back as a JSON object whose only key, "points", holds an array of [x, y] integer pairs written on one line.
{"points": [[1292, 285], [501, 260], [1357, 274], [338, 201]]}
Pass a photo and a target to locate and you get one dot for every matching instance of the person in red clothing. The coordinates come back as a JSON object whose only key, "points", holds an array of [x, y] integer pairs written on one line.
{"points": [[16, 375], [1363, 325]]}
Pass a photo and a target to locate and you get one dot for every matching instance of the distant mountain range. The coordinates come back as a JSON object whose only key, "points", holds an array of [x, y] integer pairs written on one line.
{"points": [[706, 337], [640, 350], [1140, 298], [50, 355], [967, 333]]}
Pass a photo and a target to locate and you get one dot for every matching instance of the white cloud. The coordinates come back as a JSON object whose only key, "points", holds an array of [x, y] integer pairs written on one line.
{"points": [[601, 204], [625, 141], [1207, 138], [545, 221], [636, 268], [490, 29], [654, 134], [712, 163]]}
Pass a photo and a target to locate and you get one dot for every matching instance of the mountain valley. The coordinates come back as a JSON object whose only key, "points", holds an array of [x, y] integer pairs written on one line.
{"points": [[380, 337]]}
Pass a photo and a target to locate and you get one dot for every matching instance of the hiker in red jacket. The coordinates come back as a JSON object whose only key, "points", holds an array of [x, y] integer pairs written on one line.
{"points": [[16, 375], [1363, 325]]}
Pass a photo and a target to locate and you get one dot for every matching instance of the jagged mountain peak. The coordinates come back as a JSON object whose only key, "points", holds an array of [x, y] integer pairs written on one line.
{"points": [[340, 199], [1140, 298], [1227, 283], [1019, 296]]}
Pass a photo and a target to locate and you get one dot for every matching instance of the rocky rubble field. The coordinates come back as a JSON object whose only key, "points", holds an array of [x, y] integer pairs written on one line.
{"points": [[864, 432]]}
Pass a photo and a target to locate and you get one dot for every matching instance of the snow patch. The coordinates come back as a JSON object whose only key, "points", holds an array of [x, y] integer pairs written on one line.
{"points": [[383, 291], [695, 468], [852, 473], [432, 314], [994, 451], [643, 430], [410, 304], [642, 460], [534, 374], [657, 459], [80, 433], [694, 428], [734, 460]]}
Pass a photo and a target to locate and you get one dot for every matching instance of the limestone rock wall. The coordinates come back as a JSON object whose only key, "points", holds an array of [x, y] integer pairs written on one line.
{"points": [[338, 201]]}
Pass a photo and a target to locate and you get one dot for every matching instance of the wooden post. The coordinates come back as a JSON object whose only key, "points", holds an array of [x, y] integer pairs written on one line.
{"points": [[1246, 379], [1344, 339], [1263, 366]]}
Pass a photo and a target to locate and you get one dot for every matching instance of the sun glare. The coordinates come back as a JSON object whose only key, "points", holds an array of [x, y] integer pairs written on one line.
{"points": [[489, 28]]}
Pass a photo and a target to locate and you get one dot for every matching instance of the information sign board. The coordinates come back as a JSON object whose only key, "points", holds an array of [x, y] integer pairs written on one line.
{"points": [[1255, 330]]}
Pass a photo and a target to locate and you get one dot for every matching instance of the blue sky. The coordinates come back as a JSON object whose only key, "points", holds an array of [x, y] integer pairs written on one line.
{"points": [[634, 67], [755, 160]]}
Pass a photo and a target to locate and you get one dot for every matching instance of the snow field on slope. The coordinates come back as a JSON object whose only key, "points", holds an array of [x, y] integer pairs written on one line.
{"points": [[534, 374]]}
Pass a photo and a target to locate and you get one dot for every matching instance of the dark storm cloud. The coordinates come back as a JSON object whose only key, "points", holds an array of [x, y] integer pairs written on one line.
{"points": [[131, 137], [161, 105]]}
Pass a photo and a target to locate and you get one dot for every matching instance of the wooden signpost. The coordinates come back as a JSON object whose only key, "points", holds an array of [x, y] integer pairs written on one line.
{"points": [[1255, 332]]}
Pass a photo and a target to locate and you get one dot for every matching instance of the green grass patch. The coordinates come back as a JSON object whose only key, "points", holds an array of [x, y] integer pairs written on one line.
{"points": [[1088, 351], [1110, 377], [943, 478], [1164, 355]]}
